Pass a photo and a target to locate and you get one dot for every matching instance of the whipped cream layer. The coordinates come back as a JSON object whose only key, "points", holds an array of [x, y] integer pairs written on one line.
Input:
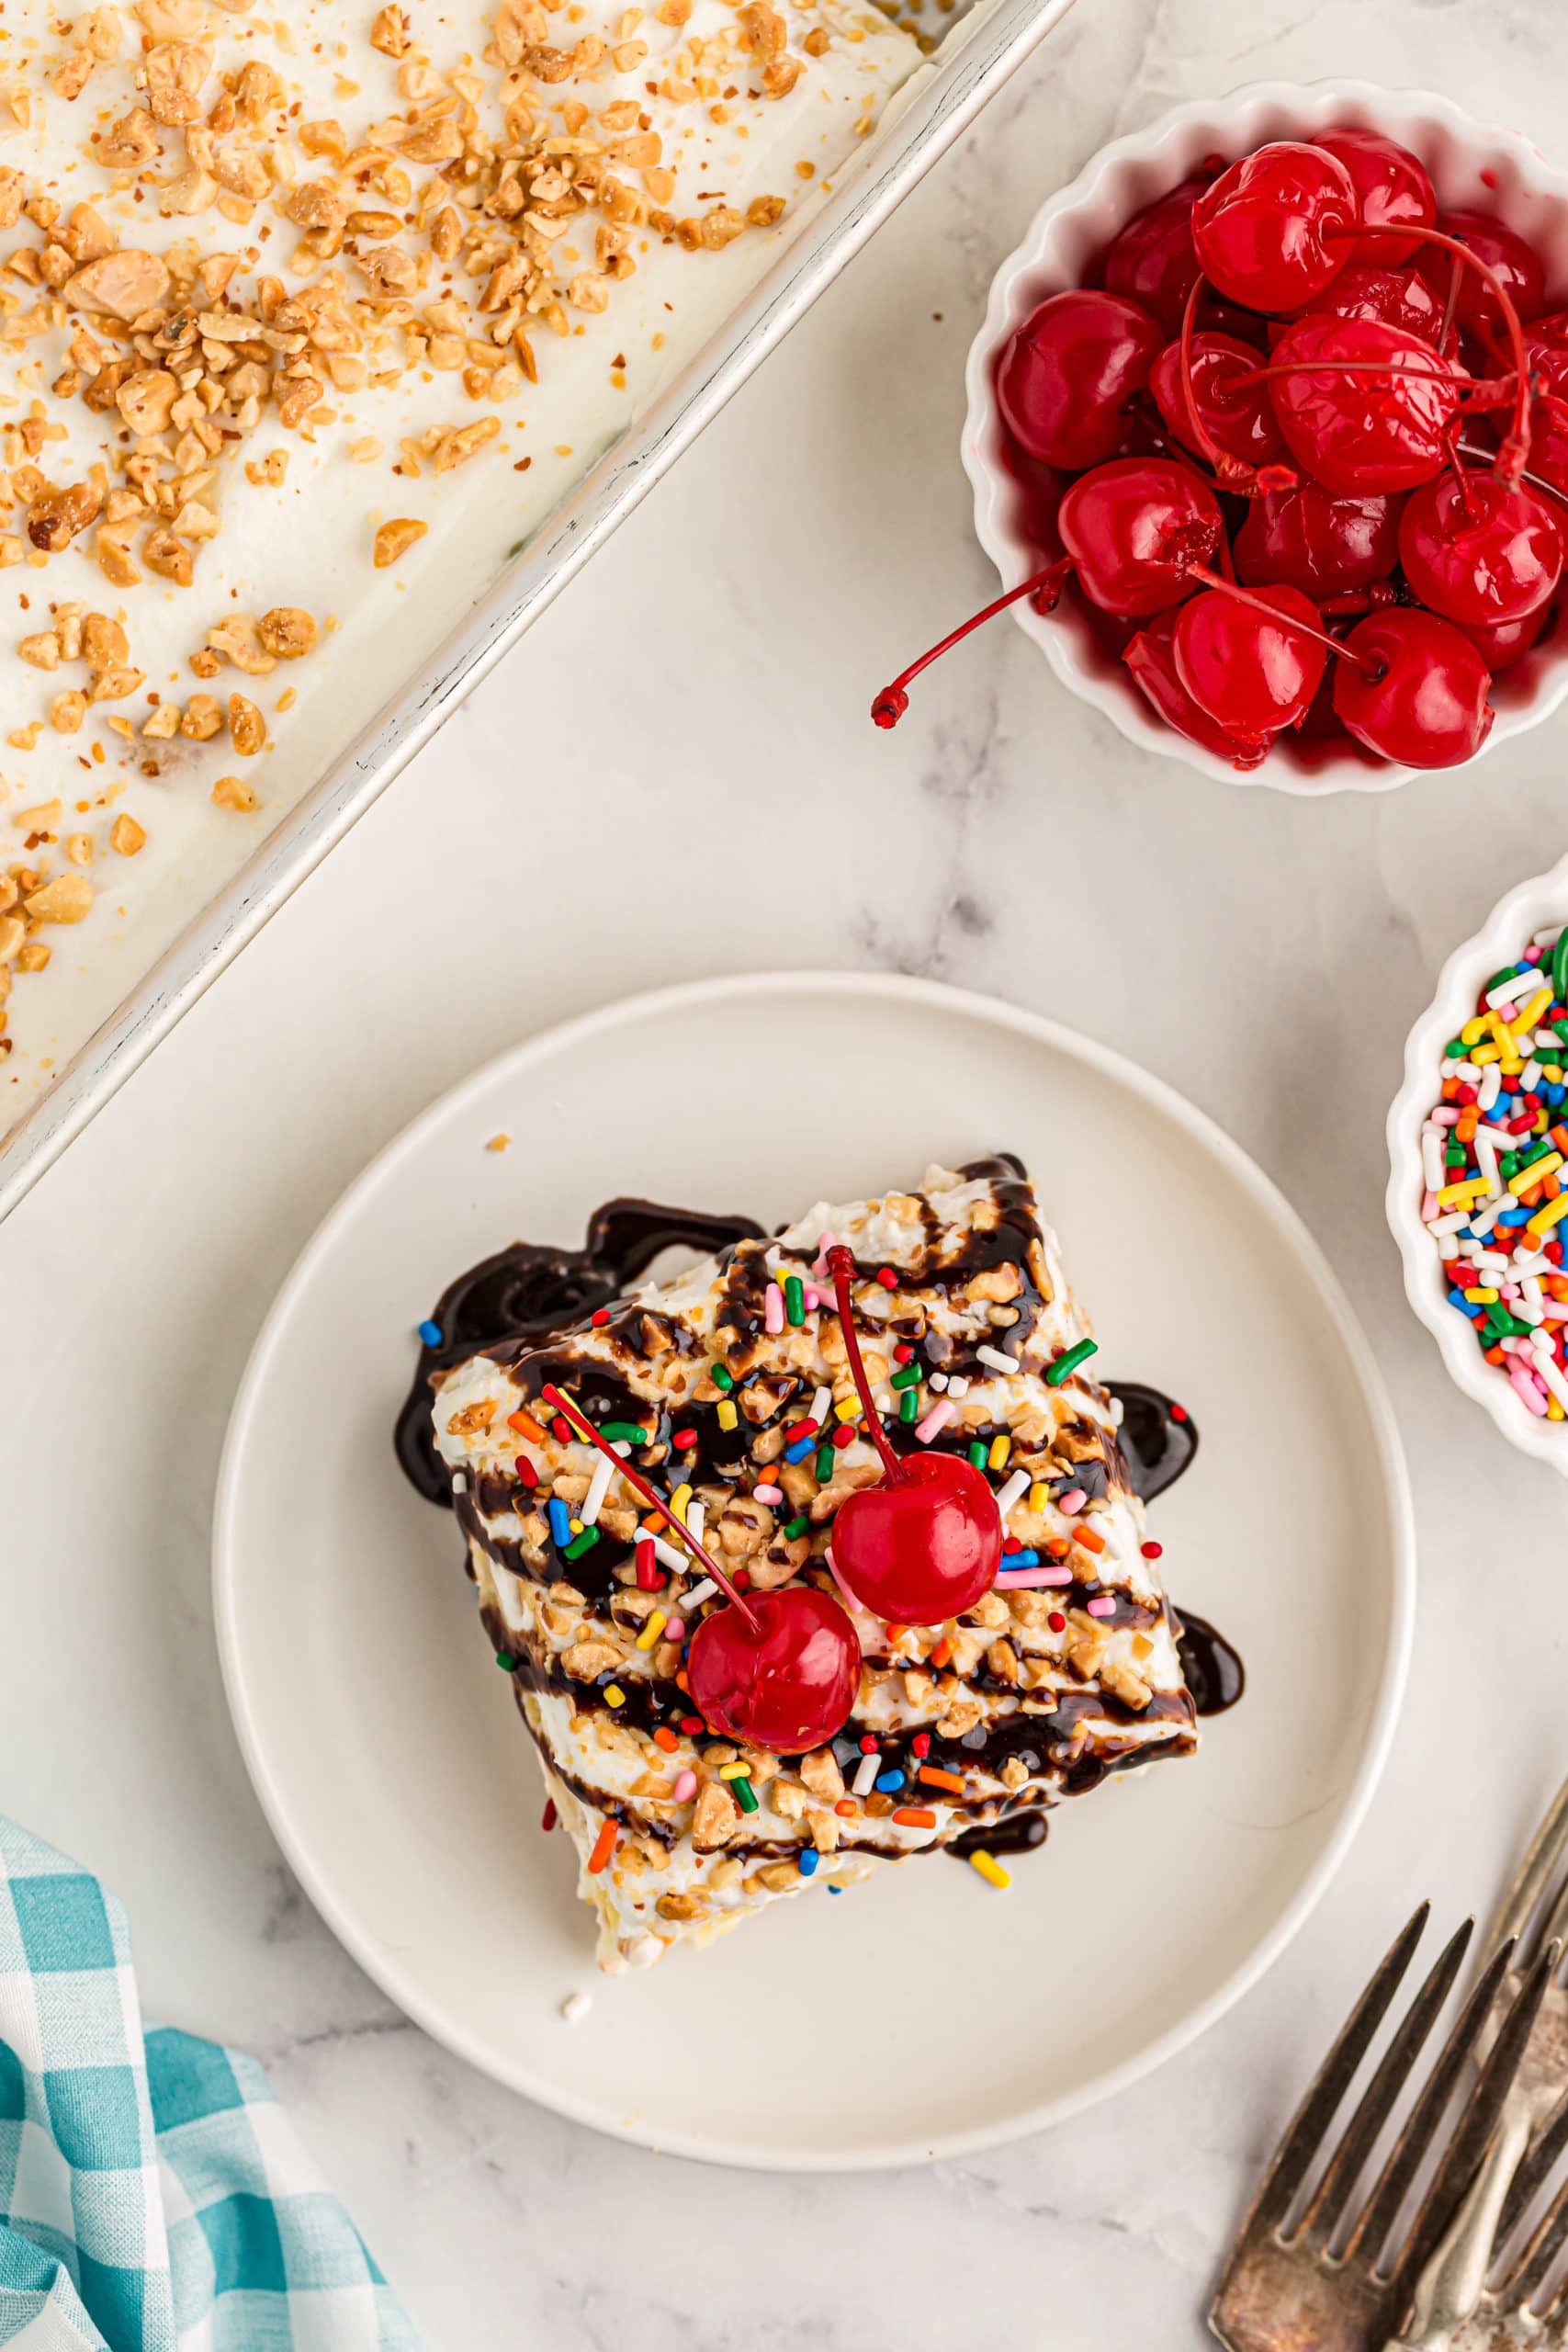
{"points": [[1066, 1670], [279, 292]]}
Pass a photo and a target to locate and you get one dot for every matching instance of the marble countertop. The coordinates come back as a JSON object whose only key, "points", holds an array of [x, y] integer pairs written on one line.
{"points": [[699, 697]]}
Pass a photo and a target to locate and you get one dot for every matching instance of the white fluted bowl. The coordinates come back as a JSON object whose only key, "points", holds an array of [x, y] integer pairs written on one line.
{"points": [[1072, 227], [1509, 928]]}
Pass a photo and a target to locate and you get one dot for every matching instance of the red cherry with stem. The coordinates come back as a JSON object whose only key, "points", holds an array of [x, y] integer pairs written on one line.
{"points": [[1546, 343], [1067, 374], [1493, 308], [1512, 261], [1254, 673], [1265, 231], [1478, 552], [1151, 259], [1242, 423], [1548, 467], [785, 1679], [926, 1541], [1409, 686], [1414, 689], [1362, 407], [1392, 190], [1130, 529], [781, 1669], [1133, 527], [1309, 539], [1151, 659], [1502, 643], [1395, 298]]}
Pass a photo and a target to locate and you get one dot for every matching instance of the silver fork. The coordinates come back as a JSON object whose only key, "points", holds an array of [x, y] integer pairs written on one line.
{"points": [[1295, 2287], [1503, 2318], [1457, 2311]]}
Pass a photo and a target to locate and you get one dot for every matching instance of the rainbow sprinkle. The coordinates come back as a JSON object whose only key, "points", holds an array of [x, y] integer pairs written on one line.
{"points": [[991, 1870], [1494, 1158]]}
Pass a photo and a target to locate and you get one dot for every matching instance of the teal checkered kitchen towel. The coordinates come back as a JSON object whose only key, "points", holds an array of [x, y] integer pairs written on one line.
{"points": [[153, 2198]]}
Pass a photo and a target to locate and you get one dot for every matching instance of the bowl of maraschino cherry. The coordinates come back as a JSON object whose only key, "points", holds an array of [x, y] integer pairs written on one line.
{"points": [[1269, 433]]}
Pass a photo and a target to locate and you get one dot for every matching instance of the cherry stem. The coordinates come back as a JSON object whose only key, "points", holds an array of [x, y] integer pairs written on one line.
{"points": [[1514, 454], [894, 701], [1463, 477], [1451, 307], [1364, 662], [1235, 474], [1533, 481], [639, 1486], [1206, 442], [1350, 603], [841, 1267], [1389, 367]]}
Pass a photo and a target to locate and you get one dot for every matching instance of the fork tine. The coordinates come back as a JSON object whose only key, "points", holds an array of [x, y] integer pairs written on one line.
{"points": [[1546, 1850], [1525, 2279], [1535, 2169], [1304, 2135], [1556, 1928], [1377, 2101], [1478, 2121], [1403, 2160]]}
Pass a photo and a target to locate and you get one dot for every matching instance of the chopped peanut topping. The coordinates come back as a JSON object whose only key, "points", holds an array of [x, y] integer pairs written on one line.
{"points": [[395, 539]]}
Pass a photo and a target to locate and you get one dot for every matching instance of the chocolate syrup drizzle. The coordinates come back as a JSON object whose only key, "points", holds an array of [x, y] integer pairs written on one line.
{"points": [[511, 1304], [528, 1293]]}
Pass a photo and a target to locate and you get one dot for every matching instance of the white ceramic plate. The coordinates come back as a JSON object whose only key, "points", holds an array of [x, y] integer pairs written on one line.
{"points": [[1511, 925], [923, 2014]]}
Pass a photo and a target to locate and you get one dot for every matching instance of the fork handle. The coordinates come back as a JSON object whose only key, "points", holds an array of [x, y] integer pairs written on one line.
{"points": [[1450, 2286]]}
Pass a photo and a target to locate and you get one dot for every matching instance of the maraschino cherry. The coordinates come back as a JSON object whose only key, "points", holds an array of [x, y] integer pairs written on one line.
{"points": [[1363, 407], [1393, 190], [1151, 659], [926, 1541], [1420, 690], [1253, 674], [782, 1677], [1067, 374], [1477, 553], [1198, 398], [1508, 259], [1502, 643], [1546, 343], [1269, 231], [1395, 298], [1131, 530], [1413, 688], [1485, 272], [1316, 542], [780, 1669], [1152, 260]]}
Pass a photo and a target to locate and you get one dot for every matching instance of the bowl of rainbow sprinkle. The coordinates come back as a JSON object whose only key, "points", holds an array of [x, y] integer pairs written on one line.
{"points": [[1478, 1153]]}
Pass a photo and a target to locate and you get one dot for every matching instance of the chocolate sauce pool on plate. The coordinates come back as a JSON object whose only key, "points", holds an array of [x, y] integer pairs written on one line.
{"points": [[530, 1293]]}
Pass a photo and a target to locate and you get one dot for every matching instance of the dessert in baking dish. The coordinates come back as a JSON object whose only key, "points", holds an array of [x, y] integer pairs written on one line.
{"points": [[307, 320], [885, 1430]]}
